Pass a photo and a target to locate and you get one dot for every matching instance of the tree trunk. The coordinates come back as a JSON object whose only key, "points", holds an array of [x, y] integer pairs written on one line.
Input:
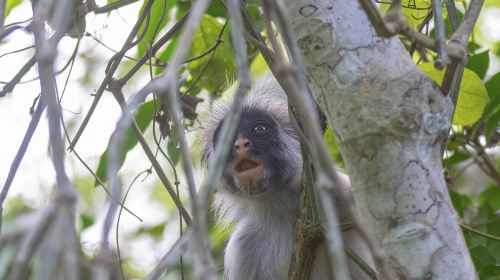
{"points": [[390, 120]]}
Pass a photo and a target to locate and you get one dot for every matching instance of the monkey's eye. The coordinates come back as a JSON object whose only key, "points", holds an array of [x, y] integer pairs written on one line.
{"points": [[260, 129]]}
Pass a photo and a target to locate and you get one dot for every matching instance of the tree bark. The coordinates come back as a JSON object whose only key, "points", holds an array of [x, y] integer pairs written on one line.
{"points": [[390, 120]]}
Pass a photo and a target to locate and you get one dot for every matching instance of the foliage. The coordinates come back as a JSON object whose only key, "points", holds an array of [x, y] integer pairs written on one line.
{"points": [[472, 98]]}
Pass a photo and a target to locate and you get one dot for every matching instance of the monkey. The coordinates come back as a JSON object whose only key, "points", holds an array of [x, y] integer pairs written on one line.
{"points": [[260, 188]]}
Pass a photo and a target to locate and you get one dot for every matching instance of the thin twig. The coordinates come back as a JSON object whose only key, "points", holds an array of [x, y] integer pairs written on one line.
{"points": [[483, 234], [454, 72], [442, 58], [376, 18], [110, 72], [2, 13], [461, 35], [17, 51], [176, 177], [361, 264], [102, 269], [66, 196], [118, 221], [232, 119], [156, 165], [31, 243], [156, 47], [203, 261], [113, 6], [15, 80], [171, 257], [395, 23], [21, 151], [6, 31], [93, 174], [126, 56], [452, 13], [166, 83], [45, 53], [486, 164]]}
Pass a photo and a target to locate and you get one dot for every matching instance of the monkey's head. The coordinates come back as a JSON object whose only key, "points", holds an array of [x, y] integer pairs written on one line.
{"points": [[265, 153]]}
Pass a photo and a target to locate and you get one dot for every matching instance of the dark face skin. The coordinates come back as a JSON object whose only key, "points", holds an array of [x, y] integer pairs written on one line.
{"points": [[255, 163]]}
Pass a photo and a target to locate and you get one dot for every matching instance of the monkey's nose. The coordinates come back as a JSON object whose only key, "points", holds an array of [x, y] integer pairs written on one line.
{"points": [[241, 144]]}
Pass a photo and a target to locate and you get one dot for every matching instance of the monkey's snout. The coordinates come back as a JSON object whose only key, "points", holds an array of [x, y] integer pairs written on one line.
{"points": [[244, 161], [241, 144]]}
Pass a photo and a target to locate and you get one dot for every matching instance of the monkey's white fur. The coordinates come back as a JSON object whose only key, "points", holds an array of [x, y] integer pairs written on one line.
{"points": [[260, 247]]}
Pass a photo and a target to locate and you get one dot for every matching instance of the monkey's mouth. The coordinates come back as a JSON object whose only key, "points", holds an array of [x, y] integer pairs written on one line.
{"points": [[246, 164], [248, 173]]}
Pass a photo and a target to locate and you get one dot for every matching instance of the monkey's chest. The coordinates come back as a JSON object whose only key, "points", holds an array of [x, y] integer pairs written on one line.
{"points": [[259, 255]]}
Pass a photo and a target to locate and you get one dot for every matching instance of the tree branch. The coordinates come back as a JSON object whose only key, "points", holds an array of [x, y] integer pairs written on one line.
{"points": [[154, 162], [63, 234], [113, 6], [109, 74], [15, 80], [166, 84], [442, 58], [21, 151], [395, 23]]}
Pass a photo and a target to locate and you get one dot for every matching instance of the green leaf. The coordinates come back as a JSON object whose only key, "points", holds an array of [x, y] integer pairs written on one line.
{"points": [[173, 149], [473, 47], [78, 30], [216, 9], [221, 66], [152, 231], [255, 14], [491, 114], [479, 63], [486, 221], [489, 272], [485, 262], [159, 17], [493, 87], [87, 221], [182, 8], [332, 145], [492, 3], [495, 251], [457, 157], [460, 202], [258, 66], [143, 119], [167, 52], [472, 98], [11, 4], [482, 254], [491, 196], [492, 124], [413, 16]]}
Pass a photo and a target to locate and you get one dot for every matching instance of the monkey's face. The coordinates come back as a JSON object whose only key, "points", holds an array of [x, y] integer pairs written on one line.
{"points": [[261, 158]]}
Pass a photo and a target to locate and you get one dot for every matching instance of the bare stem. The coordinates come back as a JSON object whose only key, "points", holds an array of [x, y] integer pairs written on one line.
{"points": [[21, 151], [443, 58]]}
